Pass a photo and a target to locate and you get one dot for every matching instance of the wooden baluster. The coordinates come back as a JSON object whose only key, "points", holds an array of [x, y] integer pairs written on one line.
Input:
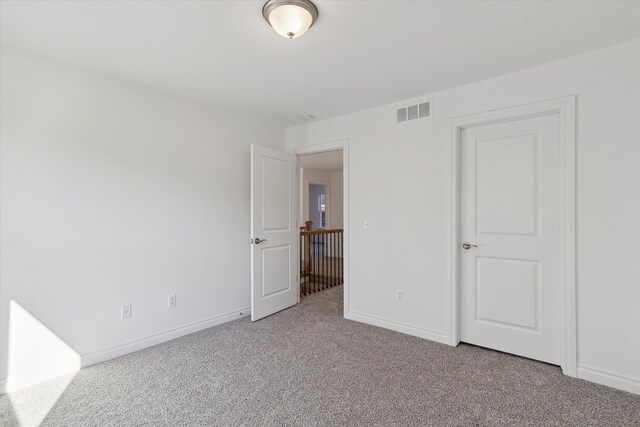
{"points": [[321, 247], [309, 255], [329, 249], [331, 236], [337, 258], [321, 259], [324, 252], [333, 259], [306, 265], [309, 226], [341, 258], [341, 261]]}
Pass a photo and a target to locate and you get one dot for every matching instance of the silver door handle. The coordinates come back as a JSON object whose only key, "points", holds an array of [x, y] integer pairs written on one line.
{"points": [[258, 241], [467, 245]]}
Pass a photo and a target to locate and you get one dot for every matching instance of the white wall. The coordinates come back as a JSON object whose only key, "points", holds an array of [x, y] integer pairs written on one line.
{"points": [[399, 181], [333, 182], [336, 205], [314, 192], [312, 176], [114, 194]]}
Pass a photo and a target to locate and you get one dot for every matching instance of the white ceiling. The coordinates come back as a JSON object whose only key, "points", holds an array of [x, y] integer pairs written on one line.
{"points": [[360, 54], [328, 161]]}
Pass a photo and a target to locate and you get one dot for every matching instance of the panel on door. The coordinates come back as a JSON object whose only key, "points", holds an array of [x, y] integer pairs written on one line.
{"points": [[499, 280], [273, 231], [511, 276]]}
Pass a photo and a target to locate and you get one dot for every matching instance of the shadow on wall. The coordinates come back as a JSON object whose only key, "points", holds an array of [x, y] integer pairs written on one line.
{"points": [[34, 354]]}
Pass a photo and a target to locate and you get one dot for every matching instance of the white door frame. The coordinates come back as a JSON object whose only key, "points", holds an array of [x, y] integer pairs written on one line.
{"points": [[565, 108], [341, 144]]}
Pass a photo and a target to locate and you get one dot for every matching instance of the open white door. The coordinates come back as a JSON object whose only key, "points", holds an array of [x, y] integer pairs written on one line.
{"points": [[274, 251]]}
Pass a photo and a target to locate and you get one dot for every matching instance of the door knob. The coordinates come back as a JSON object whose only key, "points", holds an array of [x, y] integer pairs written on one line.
{"points": [[467, 245], [258, 241]]}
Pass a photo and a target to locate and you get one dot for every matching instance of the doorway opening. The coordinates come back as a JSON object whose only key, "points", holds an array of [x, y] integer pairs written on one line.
{"points": [[277, 186], [321, 220]]}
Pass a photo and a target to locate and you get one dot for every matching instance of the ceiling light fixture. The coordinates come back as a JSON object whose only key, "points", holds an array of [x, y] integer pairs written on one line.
{"points": [[290, 18]]}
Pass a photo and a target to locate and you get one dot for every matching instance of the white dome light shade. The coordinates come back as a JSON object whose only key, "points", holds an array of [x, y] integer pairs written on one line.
{"points": [[290, 18], [290, 21]]}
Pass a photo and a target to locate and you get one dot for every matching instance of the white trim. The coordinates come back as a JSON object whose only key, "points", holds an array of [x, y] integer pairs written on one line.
{"points": [[404, 328], [340, 144], [91, 358], [632, 385], [94, 357], [565, 108]]}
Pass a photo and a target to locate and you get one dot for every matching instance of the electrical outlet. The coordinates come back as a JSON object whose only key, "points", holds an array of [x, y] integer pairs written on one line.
{"points": [[125, 312], [400, 295], [171, 300]]}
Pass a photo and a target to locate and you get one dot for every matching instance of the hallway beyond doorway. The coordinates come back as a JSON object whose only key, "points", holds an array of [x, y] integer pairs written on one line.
{"points": [[321, 220]]}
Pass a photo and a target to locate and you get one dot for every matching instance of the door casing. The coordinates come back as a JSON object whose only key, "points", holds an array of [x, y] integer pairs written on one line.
{"points": [[565, 108], [341, 144]]}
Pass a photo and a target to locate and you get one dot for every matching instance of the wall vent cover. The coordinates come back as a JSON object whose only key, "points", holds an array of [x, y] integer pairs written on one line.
{"points": [[402, 115], [420, 111]]}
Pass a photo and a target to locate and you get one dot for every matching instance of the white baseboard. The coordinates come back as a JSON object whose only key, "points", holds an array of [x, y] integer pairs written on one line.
{"points": [[584, 372], [632, 385], [404, 328], [92, 358], [587, 373]]}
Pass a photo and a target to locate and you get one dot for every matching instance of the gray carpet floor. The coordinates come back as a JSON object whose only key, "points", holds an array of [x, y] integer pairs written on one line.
{"points": [[308, 366]]}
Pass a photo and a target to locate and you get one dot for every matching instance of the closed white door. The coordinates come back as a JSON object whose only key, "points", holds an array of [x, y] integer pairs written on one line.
{"points": [[511, 276], [273, 231]]}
